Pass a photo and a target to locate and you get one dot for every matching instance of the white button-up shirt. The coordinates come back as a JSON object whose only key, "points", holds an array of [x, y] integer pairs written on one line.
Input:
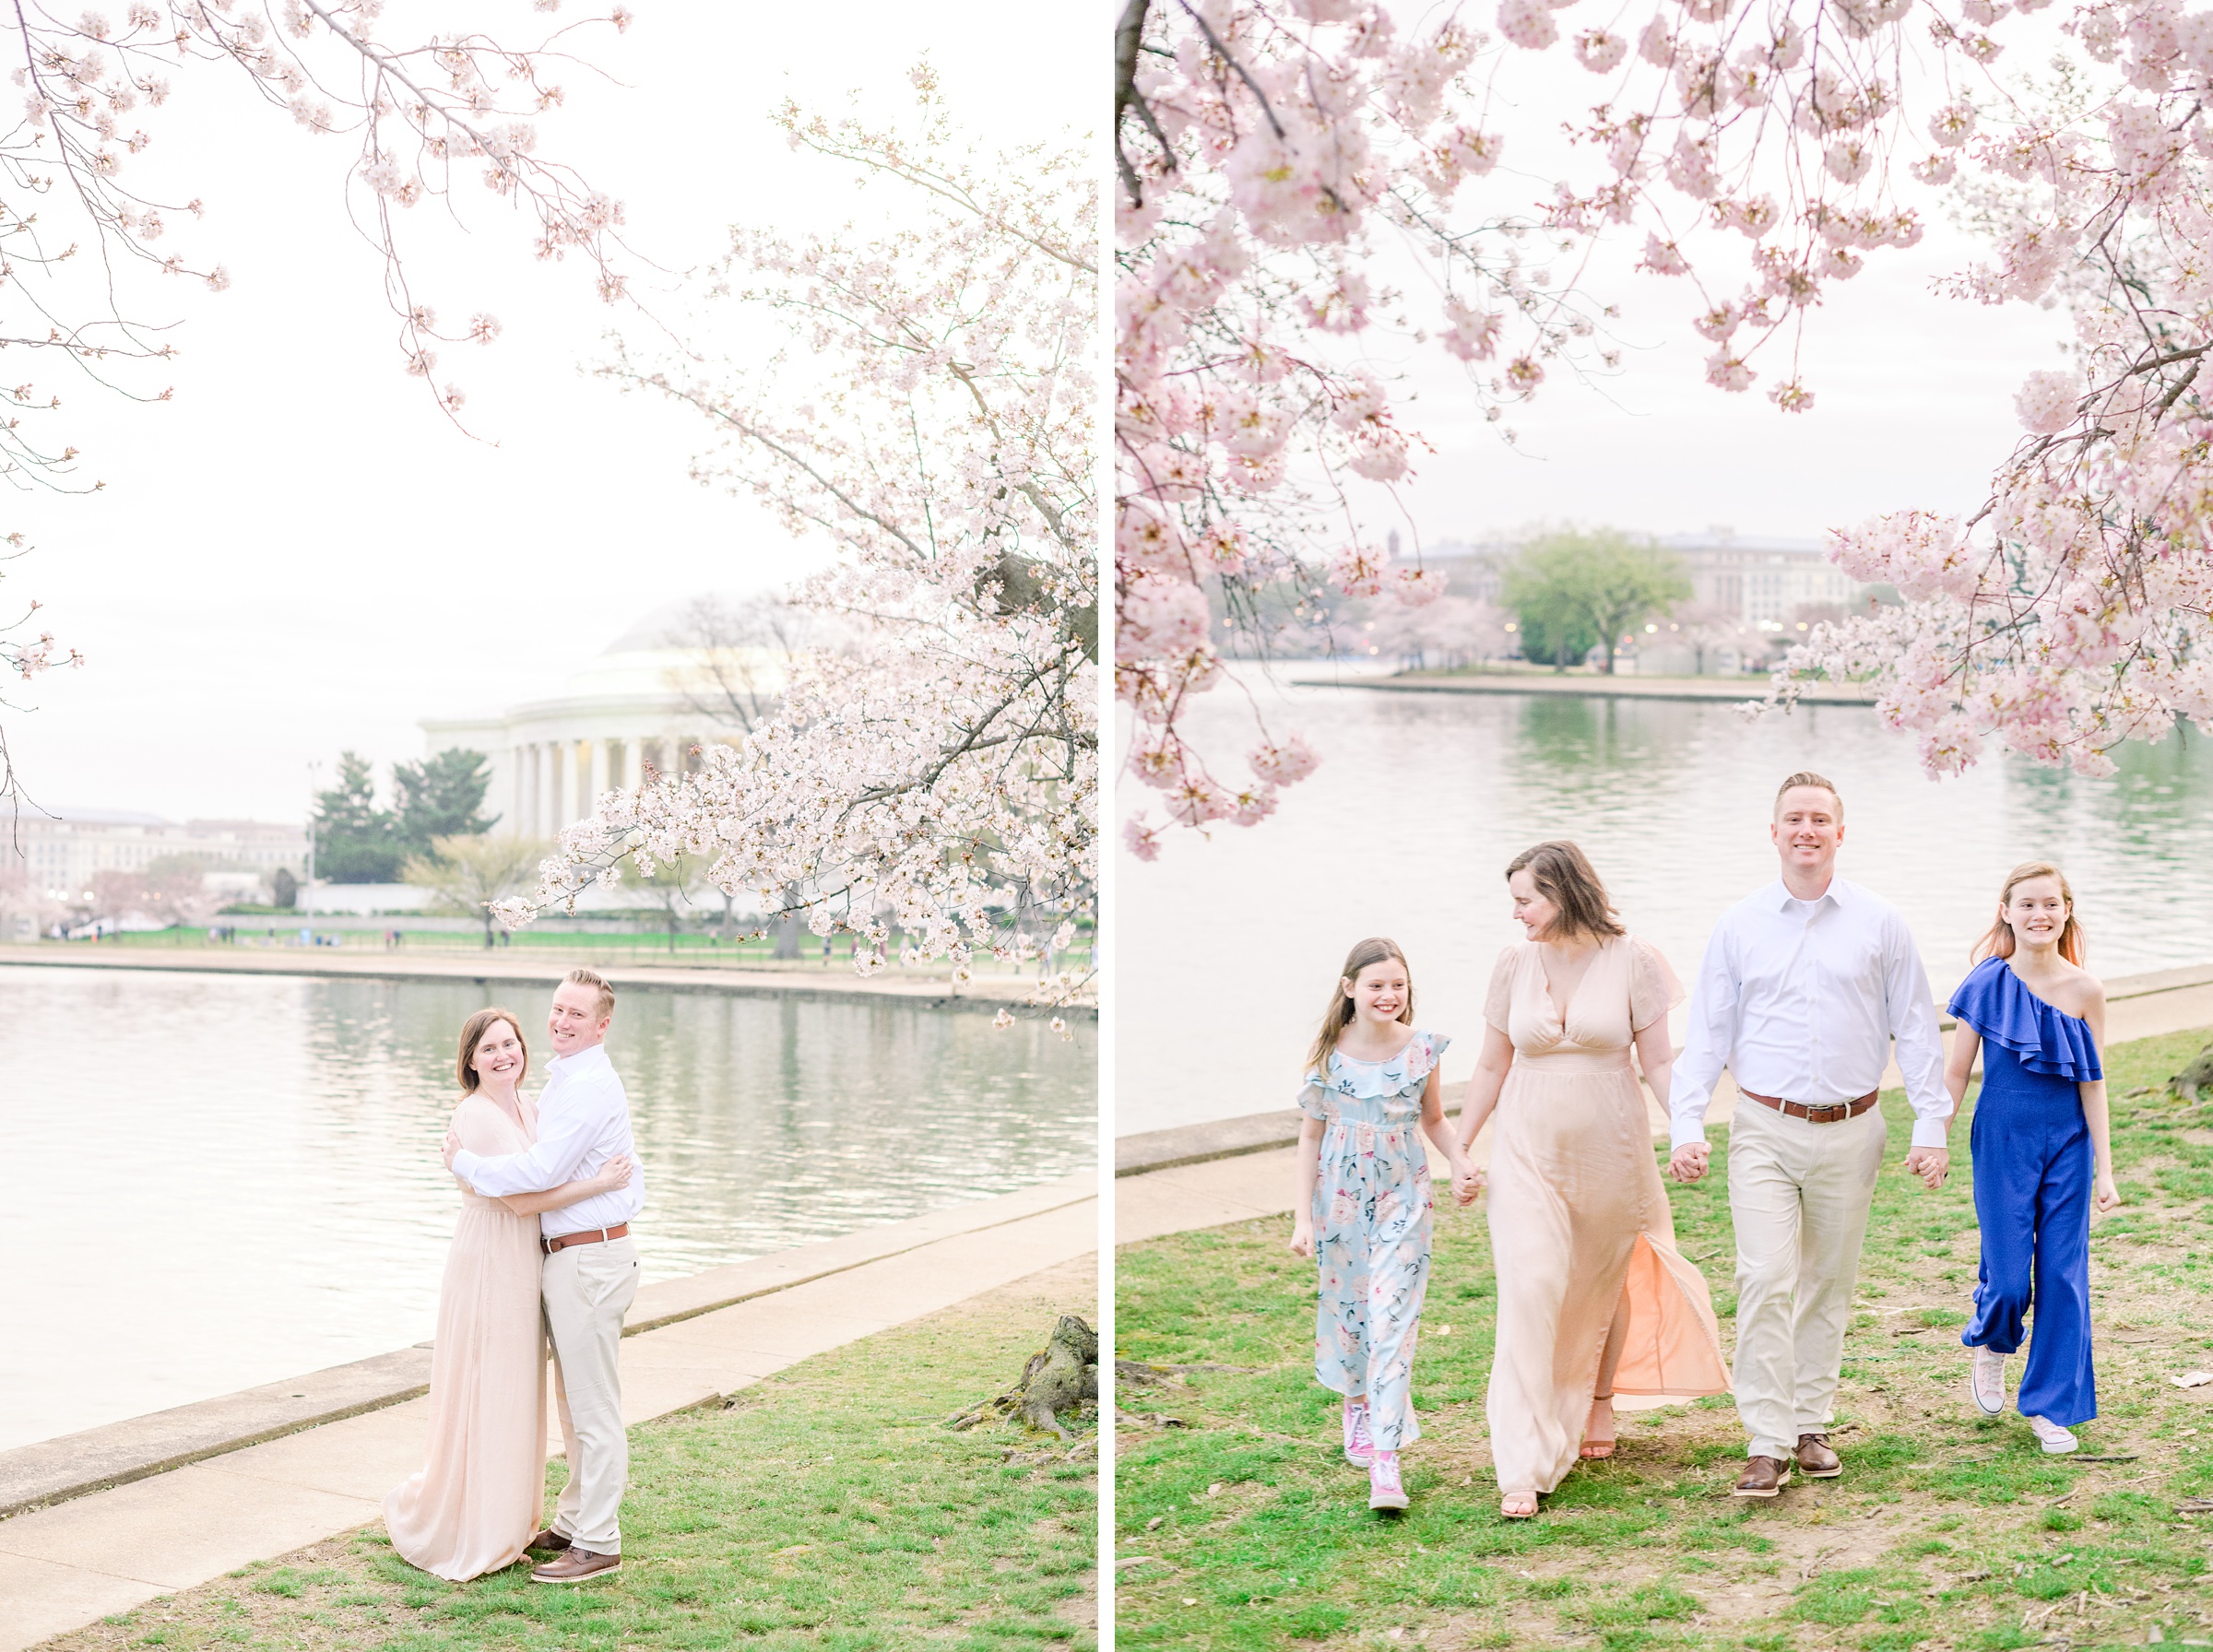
{"points": [[1800, 1000], [583, 1121]]}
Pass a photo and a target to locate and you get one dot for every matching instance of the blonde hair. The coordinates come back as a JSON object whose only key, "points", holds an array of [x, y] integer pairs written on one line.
{"points": [[584, 977], [1998, 942], [472, 1034], [1565, 876], [1339, 1015], [1807, 777]]}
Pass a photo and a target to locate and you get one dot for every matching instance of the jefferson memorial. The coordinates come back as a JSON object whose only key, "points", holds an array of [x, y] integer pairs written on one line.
{"points": [[658, 694]]}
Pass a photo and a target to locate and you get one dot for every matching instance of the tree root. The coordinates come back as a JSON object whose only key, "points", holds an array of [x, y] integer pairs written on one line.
{"points": [[2197, 1076], [1059, 1377]]}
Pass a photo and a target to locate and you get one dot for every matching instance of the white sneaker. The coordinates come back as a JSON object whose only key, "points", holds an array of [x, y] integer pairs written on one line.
{"points": [[1986, 1382], [2056, 1440]]}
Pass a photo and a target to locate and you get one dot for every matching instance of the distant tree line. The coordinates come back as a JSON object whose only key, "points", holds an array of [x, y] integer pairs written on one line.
{"points": [[442, 797]]}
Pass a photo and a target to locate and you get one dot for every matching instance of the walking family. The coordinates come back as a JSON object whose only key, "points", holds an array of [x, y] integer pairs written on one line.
{"points": [[1808, 989], [541, 1252]]}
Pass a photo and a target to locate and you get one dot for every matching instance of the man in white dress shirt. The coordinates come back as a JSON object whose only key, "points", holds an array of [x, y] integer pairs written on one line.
{"points": [[1803, 988], [591, 1271]]}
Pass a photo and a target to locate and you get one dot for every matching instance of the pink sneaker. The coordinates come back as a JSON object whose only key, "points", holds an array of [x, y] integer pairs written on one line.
{"points": [[1384, 1489], [1360, 1449]]}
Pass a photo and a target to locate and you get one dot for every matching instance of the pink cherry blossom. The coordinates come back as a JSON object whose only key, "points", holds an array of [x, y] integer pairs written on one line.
{"points": [[931, 765]]}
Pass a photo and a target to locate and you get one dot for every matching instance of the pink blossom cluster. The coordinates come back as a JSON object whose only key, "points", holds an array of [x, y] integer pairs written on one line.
{"points": [[2065, 615], [1262, 146], [933, 772], [88, 89]]}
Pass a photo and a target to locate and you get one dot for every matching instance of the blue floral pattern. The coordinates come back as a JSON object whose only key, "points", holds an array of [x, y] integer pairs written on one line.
{"points": [[1372, 1219]]}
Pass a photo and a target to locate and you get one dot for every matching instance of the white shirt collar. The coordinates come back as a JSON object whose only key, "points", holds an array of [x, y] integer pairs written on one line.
{"points": [[583, 1061], [1781, 899]]}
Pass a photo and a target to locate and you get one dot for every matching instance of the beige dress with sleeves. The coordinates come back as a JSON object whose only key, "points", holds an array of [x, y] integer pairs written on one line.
{"points": [[1590, 1283], [477, 1501]]}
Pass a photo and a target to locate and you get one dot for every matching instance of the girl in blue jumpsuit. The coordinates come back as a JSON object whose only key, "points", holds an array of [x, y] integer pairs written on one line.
{"points": [[2042, 1154]]}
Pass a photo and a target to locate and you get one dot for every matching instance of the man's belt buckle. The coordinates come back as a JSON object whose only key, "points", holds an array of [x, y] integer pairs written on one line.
{"points": [[1829, 1113]]}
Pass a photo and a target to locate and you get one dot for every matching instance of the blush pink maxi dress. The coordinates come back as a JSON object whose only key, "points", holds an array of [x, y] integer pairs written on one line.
{"points": [[477, 1500], [1593, 1295]]}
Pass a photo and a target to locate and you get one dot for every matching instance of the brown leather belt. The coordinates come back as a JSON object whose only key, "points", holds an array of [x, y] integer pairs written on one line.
{"points": [[1832, 1113], [589, 1237]]}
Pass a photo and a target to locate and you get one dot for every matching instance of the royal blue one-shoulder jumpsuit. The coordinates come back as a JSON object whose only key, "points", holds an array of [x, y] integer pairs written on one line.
{"points": [[2033, 1168]]}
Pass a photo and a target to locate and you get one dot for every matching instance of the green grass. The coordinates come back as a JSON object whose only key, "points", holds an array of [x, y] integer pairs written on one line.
{"points": [[828, 1510], [1946, 1531]]}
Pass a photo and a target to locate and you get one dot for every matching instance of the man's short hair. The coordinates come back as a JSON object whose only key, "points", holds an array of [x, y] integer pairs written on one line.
{"points": [[1807, 777], [584, 977]]}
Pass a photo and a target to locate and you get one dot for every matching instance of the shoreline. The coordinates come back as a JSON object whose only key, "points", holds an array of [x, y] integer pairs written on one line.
{"points": [[1703, 688], [46, 1472], [984, 993]]}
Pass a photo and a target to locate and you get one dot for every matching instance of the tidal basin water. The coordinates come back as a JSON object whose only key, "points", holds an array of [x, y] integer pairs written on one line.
{"points": [[218, 1181], [1228, 947]]}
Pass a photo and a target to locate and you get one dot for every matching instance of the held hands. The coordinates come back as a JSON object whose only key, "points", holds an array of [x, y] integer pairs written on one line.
{"points": [[1467, 1184], [1932, 1164], [2104, 1195], [1687, 1164]]}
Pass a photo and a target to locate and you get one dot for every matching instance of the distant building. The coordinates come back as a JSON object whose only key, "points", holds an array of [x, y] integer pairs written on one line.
{"points": [[59, 855], [1764, 582], [1763, 579], [649, 700]]}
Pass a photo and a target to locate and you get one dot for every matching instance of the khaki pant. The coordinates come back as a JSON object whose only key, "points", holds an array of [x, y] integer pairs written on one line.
{"points": [[587, 1289], [1799, 1194]]}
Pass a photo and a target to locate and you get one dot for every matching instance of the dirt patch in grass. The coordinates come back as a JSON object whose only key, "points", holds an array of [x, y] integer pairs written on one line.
{"points": [[1946, 1531], [827, 1507]]}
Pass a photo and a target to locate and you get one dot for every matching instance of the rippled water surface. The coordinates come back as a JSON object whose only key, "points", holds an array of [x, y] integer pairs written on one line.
{"points": [[218, 1181], [1229, 947]]}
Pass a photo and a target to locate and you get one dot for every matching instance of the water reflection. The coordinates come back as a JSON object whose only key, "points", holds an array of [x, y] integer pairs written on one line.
{"points": [[230, 1180]]}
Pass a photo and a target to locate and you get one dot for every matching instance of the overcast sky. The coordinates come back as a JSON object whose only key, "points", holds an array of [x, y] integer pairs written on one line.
{"points": [[296, 555], [1913, 391]]}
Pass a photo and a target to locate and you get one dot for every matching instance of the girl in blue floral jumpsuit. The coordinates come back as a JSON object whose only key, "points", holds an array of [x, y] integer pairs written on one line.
{"points": [[1364, 1205]]}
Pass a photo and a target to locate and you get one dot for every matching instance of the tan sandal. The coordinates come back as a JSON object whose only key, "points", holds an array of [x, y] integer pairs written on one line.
{"points": [[1595, 1450], [1509, 1511]]}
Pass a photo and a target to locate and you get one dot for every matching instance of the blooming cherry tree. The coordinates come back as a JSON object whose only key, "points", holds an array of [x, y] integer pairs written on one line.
{"points": [[938, 770], [418, 121], [1758, 154]]}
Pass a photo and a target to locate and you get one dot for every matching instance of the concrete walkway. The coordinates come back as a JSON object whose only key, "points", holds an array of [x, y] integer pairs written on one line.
{"points": [[987, 992], [64, 1565]]}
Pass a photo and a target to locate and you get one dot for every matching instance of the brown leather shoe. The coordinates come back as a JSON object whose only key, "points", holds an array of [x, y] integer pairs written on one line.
{"points": [[548, 1539], [1763, 1477], [1816, 1460], [574, 1565]]}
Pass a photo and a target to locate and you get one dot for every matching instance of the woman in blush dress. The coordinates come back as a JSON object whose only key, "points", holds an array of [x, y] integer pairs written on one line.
{"points": [[474, 1504], [1593, 1299], [2042, 1153]]}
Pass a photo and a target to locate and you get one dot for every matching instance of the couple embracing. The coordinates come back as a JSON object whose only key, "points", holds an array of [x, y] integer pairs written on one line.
{"points": [[1804, 988], [541, 1251]]}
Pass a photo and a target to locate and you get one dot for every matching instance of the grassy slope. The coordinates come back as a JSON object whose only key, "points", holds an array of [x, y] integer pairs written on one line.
{"points": [[825, 1509], [1946, 1529]]}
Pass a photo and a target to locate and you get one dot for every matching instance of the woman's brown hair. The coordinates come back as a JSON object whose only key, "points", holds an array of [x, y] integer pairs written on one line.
{"points": [[472, 1034], [1564, 876], [1339, 1015], [1998, 943]]}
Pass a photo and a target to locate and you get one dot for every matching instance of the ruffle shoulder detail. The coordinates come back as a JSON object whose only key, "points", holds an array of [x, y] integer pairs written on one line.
{"points": [[1370, 1080], [2047, 1039], [1653, 988]]}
